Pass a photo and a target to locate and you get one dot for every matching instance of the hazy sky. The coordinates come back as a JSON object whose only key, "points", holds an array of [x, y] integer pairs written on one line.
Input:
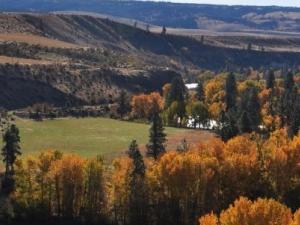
{"points": [[243, 2]]}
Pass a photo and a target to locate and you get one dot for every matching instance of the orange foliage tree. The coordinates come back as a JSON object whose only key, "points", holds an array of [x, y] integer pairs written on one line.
{"points": [[143, 106], [246, 212], [53, 184]]}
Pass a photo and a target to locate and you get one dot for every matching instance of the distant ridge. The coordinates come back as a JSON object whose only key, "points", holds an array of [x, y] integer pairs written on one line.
{"points": [[219, 18]]}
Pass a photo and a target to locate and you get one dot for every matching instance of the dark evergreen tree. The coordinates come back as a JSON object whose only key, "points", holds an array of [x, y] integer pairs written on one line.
{"points": [[157, 138], [273, 100], [138, 162], [293, 120], [253, 109], [10, 151], [227, 127], [289, 81], [230, 92], [178, 94], [177, 91], [270, 81], [293, 128], [123, 104], [200, 91], [137, 196], [249, 103], [287, 100], [243, 103], [244, 123]]}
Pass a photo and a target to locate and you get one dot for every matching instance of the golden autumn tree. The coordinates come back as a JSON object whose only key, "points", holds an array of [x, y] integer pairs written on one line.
{"points": [[282, 162], [209, 219], [33, 186], [140, 106], [214, 95], [68, 176], [246, 212], [178, 182], [143, 105], [56, 185], [45, 159], [296, 218], [26, 189], [95, 197], [270, 102], [240, 171], [120, 190]]}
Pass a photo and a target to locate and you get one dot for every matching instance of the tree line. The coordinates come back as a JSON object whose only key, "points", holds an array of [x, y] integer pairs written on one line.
{"points": [[177, 187], [228, 103]]}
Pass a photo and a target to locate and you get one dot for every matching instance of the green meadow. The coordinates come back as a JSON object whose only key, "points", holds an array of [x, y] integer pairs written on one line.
{"points": [[85, 136]]}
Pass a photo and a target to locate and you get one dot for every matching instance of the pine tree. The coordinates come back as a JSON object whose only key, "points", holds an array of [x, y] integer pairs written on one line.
{"points": [[288, 99], [178, 94], [289, 81], [137, 195], [243, 103], [293, 127], [292, 111], [272, 100], [123, 104], [270, 81], [200, 92], [138, 162], [10, 152], [253, 109], [244, 123], [227, 127], [230, 92], [177, 91], [157, 138], [228, 119]]}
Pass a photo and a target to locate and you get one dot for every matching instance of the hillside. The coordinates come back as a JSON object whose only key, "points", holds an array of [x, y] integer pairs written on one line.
{"points": [[126, 44], [43, 60], [83, 59], [192, 16]]}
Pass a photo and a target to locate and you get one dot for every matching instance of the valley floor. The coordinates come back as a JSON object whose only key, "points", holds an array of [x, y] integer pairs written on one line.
{"points": [[89, 137]]}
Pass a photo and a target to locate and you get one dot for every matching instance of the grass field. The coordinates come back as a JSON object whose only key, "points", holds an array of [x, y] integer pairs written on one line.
{"points": [[93, 136]]}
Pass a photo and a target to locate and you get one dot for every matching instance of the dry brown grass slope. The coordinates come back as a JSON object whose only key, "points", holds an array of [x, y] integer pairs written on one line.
{"points": [[36, 40]]}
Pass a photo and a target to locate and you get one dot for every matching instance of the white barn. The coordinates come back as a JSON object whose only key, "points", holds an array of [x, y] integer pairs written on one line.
{"points": [[191, 86]]}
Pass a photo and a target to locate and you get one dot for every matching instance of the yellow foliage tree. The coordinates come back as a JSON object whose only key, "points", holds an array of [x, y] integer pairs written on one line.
{"points": [[246, 212]]}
